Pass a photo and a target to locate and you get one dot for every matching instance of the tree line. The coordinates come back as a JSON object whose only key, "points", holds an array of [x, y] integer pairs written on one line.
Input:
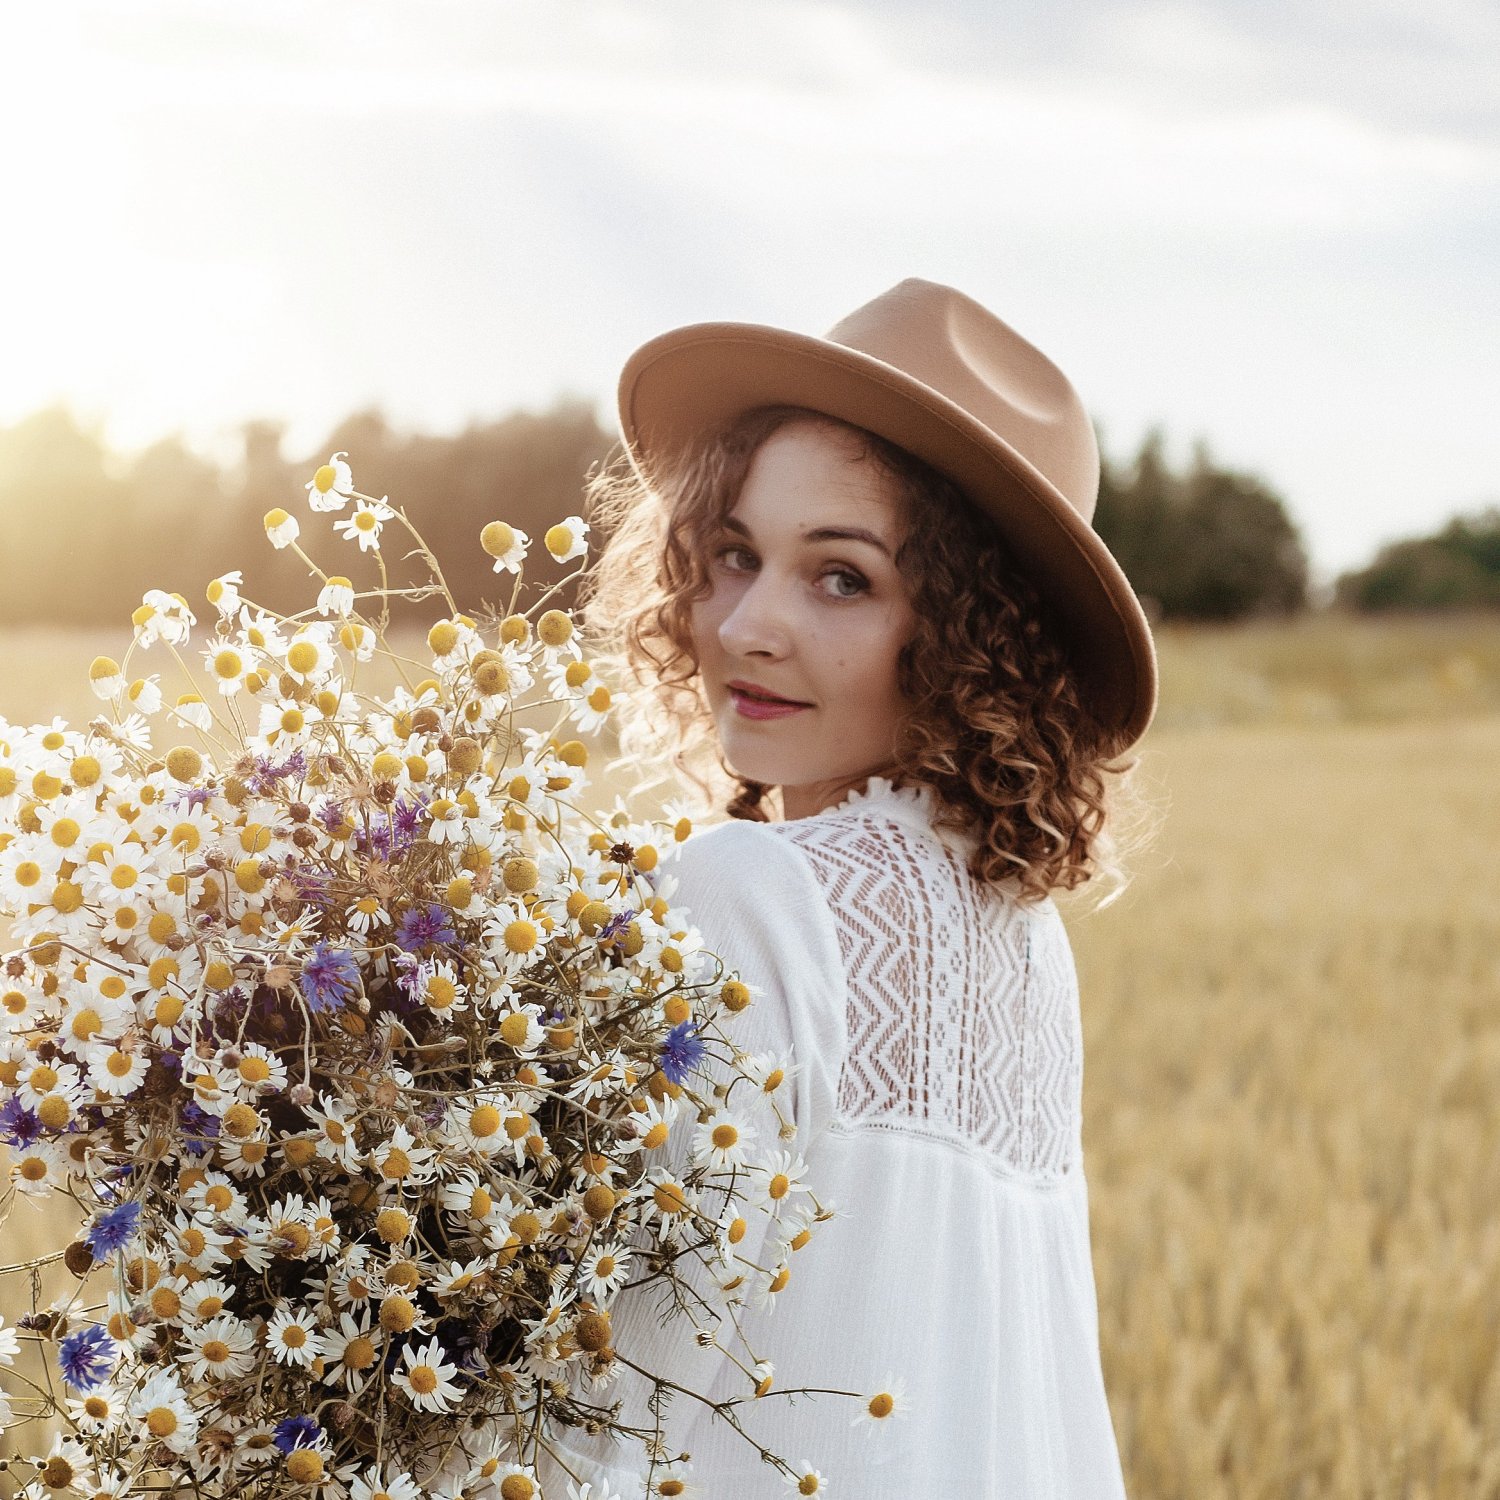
{"points": [[85, 531]]}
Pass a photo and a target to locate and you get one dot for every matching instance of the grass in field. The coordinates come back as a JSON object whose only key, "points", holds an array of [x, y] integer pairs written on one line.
{"points": [[1292, 1130]]}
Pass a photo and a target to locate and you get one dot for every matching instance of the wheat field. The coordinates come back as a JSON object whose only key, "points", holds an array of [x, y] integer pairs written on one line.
{"points": [[1292, 1065]]}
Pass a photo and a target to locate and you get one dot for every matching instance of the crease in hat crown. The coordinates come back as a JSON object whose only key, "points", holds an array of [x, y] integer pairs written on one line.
{"points": [[964, 352]]}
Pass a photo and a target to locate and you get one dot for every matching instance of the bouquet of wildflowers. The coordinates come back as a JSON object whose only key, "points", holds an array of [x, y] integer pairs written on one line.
{"points": [[354, 1037]]}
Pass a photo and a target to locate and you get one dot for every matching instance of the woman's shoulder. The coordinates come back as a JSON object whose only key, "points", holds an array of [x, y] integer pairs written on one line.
{"points": [[740, 862]]}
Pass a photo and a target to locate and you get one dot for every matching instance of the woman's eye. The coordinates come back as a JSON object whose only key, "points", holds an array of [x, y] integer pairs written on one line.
{"points": [[858, 584]]}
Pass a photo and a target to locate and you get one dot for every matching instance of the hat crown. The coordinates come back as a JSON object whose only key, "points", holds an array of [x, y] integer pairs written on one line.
{"points": [[979, 363]]}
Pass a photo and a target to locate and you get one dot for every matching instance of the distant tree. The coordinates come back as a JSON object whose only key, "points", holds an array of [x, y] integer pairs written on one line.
{"points": [[84, 532], [65, 519], [1210, 544], [1457, 567]]}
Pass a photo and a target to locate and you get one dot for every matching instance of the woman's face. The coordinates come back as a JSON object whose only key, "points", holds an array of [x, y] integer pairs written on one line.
{"points": [[806, 615]]}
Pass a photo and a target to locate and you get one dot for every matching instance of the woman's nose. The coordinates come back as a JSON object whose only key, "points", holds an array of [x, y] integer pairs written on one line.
{"points": [[757, 624]]}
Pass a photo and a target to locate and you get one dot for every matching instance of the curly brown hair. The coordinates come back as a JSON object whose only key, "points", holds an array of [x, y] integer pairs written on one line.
{"points": [[997, 727]]}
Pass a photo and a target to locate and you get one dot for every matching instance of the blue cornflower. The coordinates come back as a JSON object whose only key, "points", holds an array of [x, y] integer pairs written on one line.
{"points": [[422, 928], [296, 1432], [86, 1357], [617, 924], [682, 1051], [329, 977], [113, 1229], [19, 1126]]}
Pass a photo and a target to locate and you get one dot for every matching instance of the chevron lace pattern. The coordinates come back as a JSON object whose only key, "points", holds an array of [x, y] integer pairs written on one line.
{"points": [[962, 1004]]}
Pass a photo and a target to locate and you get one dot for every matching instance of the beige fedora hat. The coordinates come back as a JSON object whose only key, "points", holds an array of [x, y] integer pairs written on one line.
{"points": [[931, 370]]}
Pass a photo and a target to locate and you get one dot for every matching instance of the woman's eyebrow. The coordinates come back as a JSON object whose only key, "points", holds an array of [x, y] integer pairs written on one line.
{"points": [[820, 534]]}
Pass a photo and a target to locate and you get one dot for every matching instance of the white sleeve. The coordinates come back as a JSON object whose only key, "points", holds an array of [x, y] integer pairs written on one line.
{"points": [[754, 899], [757, 904]]}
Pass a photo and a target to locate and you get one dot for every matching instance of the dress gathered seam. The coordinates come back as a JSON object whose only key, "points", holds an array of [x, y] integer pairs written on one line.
{"points": [[1044, 1181]]}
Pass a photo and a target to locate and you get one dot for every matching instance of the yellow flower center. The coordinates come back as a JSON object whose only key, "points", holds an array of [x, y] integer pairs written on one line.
{"points": [[359, 1353], [86, 1023], [520, 936], [302, 656], [670, 1198], [304, 1465], [161, 1421]]}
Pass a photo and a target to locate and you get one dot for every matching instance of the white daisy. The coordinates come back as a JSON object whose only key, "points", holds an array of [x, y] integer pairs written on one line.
{"points": [[425, 1378], [363, 526], [377, 1485], [568, 539], [603, 1270], [351, 1351], [506, 544], [116, 1072], [336, 597], [293, 1337], [887, 1401], [805, 1479], [782, 1176], [224, 593], [191, 710], [722, 1141], [221, 1349], [105, 678], [164, 1413], [228, 665], [99, 1410], [281, 528], [332, 485]]}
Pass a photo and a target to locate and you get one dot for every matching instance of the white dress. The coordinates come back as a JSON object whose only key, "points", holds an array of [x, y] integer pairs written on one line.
{"points": [[938, 1103]]}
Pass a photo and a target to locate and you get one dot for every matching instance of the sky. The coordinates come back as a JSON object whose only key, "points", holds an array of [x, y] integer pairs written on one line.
{"points": [[1270, 226]]}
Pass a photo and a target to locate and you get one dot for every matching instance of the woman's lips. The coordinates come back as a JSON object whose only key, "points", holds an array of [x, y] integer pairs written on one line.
{"points": [[758, 708]]}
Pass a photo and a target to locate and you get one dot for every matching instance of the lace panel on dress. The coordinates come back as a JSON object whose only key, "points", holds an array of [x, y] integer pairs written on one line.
{"points": [[962, 1010]]}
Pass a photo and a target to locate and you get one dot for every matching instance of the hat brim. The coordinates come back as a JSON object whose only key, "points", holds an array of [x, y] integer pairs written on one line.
{"points": [[699, 378]]}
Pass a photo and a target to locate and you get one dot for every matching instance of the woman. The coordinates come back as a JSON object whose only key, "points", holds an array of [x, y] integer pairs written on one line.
{"points": [[864, 564]]}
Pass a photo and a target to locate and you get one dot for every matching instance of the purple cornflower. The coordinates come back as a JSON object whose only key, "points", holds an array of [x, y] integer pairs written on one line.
{"points": [[113, 1229], [682, 1051], [267, 773], [617, 924], [86, 1357], [410, 974], [331, 815], [296, 1432], [19, 1126], [392, 834], [201, 1129], [421, 929], [329, 977], [312, 886]]}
